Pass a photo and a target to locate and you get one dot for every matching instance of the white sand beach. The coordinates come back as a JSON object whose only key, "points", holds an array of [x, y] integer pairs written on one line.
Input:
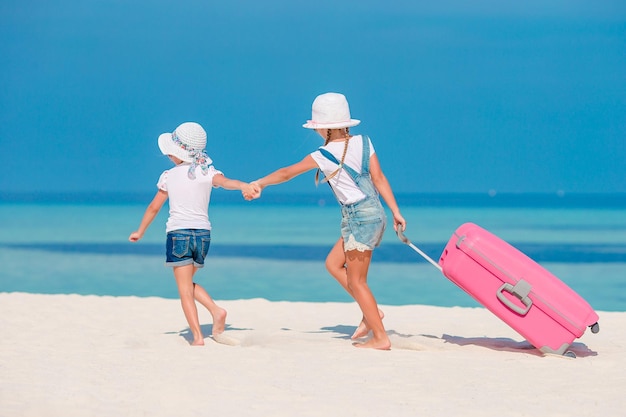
{"points": [[70, 355]]}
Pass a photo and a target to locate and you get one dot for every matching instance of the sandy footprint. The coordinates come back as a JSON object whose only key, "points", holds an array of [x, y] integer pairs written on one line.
{"points": [[226, 340], [414, 343]]}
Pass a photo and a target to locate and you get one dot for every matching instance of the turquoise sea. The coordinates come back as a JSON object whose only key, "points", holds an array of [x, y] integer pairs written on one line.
{"points": [[274, 248]]}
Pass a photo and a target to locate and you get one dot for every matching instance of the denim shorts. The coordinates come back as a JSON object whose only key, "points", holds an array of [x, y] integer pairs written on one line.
{"points": [[363, 224], [187, 246]]}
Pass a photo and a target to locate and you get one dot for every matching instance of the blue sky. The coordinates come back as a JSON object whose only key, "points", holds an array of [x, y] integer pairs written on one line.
{"points": [[457, 96]]}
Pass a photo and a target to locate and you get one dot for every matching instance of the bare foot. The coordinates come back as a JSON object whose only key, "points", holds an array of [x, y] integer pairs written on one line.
{"points": [[219, 324], [382, 344], [219, 321], [363, 329], [198, 342]]}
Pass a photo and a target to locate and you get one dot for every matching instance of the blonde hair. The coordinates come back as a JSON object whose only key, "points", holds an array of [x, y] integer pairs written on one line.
{"points": [[343, 156]]}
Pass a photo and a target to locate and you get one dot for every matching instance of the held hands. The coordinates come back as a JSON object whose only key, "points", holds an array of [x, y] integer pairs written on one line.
{"points": [[251, 191]]}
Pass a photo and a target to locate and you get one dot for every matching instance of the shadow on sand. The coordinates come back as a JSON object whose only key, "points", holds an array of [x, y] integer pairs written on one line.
{"points": [[207, 330], [494, 343]]}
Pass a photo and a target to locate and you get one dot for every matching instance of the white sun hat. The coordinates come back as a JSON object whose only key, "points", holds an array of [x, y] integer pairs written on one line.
{"points": [[330, 111], [187, 143]]}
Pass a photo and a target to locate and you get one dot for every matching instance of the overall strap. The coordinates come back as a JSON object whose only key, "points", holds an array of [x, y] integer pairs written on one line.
{"points": [[332, 158], [365, 162]]}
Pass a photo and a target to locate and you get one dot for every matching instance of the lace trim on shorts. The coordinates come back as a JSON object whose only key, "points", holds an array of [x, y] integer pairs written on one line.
{"points": [[352, 244]]}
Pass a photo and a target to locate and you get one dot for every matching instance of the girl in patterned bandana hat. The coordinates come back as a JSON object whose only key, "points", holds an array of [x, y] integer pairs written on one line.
{"points": [[188, 186]]}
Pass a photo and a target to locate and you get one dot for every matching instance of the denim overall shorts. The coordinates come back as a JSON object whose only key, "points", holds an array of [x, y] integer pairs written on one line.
{"points": [[362, 223]]}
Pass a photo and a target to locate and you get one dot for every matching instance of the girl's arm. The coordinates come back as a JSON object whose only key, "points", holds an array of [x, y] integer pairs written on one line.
{"points": [[247, 190], [153, 209], [285, 174], [384, 189], [227, 183]]}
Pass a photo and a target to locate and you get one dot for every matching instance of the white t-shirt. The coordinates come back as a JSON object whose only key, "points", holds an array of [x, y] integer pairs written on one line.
{"points": [[188, 199], [344, 186]]}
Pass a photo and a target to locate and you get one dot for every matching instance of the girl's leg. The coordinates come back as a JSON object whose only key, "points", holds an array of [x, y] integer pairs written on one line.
{"points": [[336, 266], [184, 281], [357, 266], [218, 313]]}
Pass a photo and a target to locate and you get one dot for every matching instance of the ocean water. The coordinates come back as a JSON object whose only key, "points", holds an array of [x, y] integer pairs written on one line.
{"points": [[275, 248]]}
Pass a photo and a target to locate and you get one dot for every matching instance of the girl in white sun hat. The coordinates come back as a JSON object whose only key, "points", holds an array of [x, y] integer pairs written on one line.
{"points": [[188, 186], [351, 168]]}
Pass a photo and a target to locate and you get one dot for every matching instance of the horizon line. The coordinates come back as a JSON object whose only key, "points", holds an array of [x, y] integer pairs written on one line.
{"points": [[485, 199]]}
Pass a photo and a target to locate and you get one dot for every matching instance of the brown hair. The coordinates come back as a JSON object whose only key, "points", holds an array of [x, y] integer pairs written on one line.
{"points": [[343, 156]]}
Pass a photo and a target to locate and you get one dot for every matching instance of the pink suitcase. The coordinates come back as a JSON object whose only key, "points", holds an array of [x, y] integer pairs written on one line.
{"points": [[535, 303]]}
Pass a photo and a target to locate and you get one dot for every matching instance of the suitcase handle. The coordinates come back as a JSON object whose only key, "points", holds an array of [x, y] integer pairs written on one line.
{"points": [[520, 291], [415, 248]]}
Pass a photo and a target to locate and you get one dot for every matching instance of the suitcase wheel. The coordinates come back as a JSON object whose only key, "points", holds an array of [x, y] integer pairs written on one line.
{"points": [[570, 354], [595, 328]]}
